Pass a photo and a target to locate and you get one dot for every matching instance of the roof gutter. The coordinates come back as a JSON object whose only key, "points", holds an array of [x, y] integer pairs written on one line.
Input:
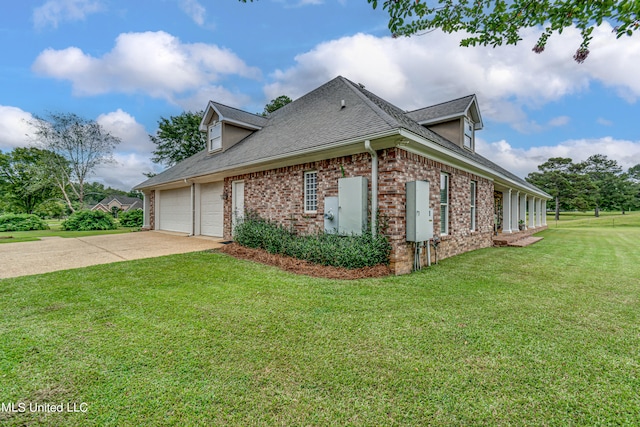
{"points": [[491, 173]]}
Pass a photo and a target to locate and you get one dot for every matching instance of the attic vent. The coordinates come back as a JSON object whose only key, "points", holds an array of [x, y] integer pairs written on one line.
{"points": [[343, 104]]}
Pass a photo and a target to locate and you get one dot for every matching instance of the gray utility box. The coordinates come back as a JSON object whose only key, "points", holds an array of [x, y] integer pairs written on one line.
{"points": [[352, 204], [419, 215], [331, 215]]}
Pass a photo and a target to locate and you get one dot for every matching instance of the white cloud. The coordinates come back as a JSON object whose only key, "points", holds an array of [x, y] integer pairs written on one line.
{"points": [[425, 70], [604, 122], [195, 10], [199, 99], [55, 11], [154, 63], [15, 130], [523, 161], [133, 135], [126, 172], [559, 121]]}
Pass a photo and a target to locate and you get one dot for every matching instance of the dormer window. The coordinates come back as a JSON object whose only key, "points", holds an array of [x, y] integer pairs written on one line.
{"points": [[468, 134], [214, 139]]}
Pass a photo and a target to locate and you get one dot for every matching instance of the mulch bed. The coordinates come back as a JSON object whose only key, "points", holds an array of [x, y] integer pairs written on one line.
{"points": [[298, 266]]}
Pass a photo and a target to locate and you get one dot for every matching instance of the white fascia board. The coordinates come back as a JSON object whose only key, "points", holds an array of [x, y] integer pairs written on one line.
{"points": [[440, 119], [240, 124], [451, 158]]}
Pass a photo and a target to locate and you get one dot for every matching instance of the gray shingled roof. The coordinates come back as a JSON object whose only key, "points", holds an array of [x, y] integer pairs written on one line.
{"points": [[235, 114], [456, 107], [124, 200], [311, 122]]}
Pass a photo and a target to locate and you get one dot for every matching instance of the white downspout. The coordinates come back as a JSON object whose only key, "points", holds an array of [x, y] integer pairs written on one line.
{"points": [[374, 186]]}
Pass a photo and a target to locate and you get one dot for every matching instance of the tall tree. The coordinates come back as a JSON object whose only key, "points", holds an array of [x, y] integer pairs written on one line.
{"points": [[606, 176], [498, 22], [79, 145], [178, 137], [276, 104], [24, 180], [555, 176]]}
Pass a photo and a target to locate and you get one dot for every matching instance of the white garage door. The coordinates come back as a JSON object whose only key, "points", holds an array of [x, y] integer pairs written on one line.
{"points": [[175, 210], [211, 214]]}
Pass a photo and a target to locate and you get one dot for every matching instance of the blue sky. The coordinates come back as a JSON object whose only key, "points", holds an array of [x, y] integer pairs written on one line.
{"points": [[126, 64]]}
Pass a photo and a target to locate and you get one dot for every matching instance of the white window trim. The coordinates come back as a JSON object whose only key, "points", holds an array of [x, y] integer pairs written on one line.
{"points": [[468, 127], [444, 223], [308, 194], [473, 195], [210, 140]]}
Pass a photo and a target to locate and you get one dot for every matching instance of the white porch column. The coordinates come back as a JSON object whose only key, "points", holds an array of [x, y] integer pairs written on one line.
{"points": [[544, 212], [156, 210], [506, 211], [514, 210], [532, 212], [538, 215], [146, 220], [196, 210], [523, 210]]}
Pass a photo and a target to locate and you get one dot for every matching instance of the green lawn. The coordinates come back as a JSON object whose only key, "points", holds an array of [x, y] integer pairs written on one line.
{"points": [[588, 219], [543, 335], [54, 231]]}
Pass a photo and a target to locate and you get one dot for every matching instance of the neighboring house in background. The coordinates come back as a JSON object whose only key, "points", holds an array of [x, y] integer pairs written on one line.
{"points": [[342, 152], [123, 203]]}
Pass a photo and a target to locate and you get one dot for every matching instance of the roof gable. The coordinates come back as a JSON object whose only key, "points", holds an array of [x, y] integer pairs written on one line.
{"points": [[466, 106], [224, 113]]}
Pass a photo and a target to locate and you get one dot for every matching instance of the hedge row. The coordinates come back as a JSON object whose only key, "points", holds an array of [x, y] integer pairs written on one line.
{"points": [[353, 251], [22, 222], [89, 220], [131, 218]]}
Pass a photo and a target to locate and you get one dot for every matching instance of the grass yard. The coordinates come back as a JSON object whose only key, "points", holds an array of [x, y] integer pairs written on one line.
{"points": [[587, 219], [54, 231], [543, 335]]}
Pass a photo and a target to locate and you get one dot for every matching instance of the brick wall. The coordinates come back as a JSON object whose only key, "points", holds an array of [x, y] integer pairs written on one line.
{"points": [[152, 210], [396, 167], [278, 194]]}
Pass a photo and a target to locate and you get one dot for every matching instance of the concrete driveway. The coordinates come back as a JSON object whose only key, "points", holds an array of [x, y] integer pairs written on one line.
{"points": [[57, 253]]}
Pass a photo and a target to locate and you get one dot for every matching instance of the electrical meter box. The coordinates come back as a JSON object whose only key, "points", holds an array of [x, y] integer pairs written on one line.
{"points": [[331, 215], [419, 215], [352, 204]]}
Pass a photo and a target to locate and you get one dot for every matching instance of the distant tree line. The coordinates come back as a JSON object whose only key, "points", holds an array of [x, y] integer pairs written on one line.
{"points": [[598, 183]]}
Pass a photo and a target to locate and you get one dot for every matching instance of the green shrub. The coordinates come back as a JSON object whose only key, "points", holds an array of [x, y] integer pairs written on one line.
{"points": [[22, 222], [131, 218], [89, 220], [352, 251]]}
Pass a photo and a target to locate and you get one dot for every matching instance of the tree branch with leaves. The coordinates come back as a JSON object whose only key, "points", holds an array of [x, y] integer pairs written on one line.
{"points": [[79, 145]]}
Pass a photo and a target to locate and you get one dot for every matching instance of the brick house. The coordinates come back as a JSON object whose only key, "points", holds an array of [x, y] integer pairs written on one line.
{"points": [[332, 157], [121, 203]]}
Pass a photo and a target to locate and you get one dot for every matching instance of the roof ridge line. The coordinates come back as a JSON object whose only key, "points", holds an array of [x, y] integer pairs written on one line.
{"points": [[473, 95], [358, 89], [237, 109]]}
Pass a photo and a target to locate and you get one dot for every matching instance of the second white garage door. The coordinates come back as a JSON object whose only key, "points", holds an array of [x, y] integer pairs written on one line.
{"points": [[211, 213], [175, 210]]}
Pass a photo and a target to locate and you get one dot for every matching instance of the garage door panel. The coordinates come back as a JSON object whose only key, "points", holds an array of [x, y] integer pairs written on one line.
{"points": [[175, 210], [211, 209]]}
